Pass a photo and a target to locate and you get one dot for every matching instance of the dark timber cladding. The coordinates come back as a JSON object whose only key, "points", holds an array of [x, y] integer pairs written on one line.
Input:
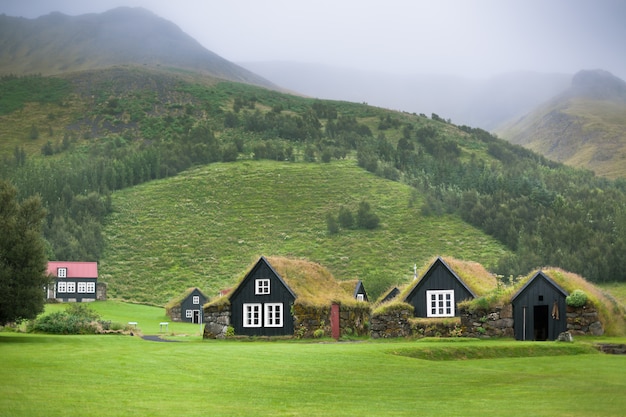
{"points": [[539, 309], [247, 298], [438, 277]]}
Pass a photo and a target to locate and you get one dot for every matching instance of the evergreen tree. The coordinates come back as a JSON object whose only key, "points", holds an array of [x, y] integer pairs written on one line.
{"points": [[22, 256]]}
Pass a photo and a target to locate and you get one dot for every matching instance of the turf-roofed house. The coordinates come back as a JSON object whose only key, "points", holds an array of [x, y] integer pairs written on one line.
{"points": [[187, 307], [286, 297], [446, 283], [75, 282]]}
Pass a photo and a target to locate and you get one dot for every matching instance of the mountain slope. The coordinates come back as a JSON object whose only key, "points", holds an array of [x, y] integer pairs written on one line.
{"points": [[204, 227], [58, 43], [583, 127]]}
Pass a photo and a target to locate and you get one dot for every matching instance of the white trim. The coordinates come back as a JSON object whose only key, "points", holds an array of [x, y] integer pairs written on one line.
{"points": [[252, 315], [273, 315], [440, 303], [71, 286], [82, 287], [61, 272], [188, 314], [196, 299], [62, 286], [91, 286], [261, 286]]}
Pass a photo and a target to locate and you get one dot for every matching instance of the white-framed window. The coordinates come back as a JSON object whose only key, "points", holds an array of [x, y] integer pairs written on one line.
{"points": [[71, 287], [359, 297], [61, 286], [252, 315], [189, 314], [261, 286], [62, 272], [273, 315], [196, 299], [82, 287], [440, 303], [91, 287]]}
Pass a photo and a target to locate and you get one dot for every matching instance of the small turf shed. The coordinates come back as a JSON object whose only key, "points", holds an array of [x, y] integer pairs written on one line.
{"points": [[355, 287], [539, 309], [441, 287], [187, 307]]}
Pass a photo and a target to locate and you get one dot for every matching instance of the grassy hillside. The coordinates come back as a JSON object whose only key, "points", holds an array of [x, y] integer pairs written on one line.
{"points": [[205, 226]]}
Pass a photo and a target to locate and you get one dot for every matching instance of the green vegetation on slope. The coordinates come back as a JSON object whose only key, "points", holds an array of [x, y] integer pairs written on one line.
{"points": [[204, 227]]}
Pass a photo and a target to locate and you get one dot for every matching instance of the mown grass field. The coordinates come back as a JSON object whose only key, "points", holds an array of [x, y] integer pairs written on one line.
{"points": [[46, 375], [207, 225]]}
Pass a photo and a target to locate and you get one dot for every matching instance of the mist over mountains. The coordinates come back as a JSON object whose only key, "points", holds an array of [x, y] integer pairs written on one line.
{"points": [[484, 103], [57, 43]]}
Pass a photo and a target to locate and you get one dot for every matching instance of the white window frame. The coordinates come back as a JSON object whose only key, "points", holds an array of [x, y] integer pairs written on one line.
{"points": [[262, 286], [61, 272], [188, 314], [196, 299], [71, 287], [252, 315], [438, 304], [360, 297], [81, 287], [273, 314], [91, 286], [61, 286]]}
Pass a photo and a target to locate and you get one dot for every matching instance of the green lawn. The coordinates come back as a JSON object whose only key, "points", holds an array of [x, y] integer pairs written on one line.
{"points": [[122, 376]]}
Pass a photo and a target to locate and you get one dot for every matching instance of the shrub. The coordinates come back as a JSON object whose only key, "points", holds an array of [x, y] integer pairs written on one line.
{"points": [[319, 333], [76, 319], [577, 298]]}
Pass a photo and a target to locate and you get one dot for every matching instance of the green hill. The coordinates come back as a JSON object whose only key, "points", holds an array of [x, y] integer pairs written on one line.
{"points": [[206, 225], [583, 127]]}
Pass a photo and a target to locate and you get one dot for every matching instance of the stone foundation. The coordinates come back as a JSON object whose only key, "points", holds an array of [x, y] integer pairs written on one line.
{"points": [[496, 323], [584, 321], [217, 320]]}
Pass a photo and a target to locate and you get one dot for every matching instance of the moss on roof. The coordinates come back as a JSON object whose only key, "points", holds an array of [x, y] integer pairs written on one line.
{"points": [[179, 298], [473, 274], [311, 283]]}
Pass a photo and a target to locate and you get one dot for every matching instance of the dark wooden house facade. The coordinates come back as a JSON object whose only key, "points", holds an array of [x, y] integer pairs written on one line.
{"points": [[438, 291], [359, 292], [261, 303], [73, 281], [539, 309], [187, 307]]}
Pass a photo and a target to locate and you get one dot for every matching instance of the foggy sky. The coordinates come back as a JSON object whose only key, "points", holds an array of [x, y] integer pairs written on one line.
{"points": [[477, 38]]}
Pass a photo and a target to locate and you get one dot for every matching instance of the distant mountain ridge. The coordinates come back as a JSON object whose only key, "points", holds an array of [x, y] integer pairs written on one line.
{"points": [[585, 126], [57, 43]]}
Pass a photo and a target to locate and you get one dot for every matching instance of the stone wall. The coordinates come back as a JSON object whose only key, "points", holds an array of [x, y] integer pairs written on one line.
{"points": [[101, 291], [584, 321], [217, 320], [495, 323], [393, 321]]}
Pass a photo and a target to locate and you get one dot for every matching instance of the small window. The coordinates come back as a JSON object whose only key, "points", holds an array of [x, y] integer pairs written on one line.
{"points": [[189, 314], [62, 272], [71, 287], [252, 315], [440, 303], [82, 287], [61, 286], [262, 287], [196, 299], [541, 298], [273, 315], [359, 297], [91, 287]]}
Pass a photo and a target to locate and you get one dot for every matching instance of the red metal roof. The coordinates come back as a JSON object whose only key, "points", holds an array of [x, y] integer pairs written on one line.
{"points": [[74, 269]]}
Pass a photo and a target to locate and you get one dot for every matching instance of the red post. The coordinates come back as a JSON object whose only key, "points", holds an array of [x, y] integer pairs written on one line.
{"points": [[334, 321]]}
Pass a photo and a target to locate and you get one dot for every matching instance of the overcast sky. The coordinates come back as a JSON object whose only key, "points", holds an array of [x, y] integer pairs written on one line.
{"points": [[475, 38]]}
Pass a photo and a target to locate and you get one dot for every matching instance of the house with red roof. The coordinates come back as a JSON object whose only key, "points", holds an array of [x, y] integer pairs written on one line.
{"points": [[75, 281]]}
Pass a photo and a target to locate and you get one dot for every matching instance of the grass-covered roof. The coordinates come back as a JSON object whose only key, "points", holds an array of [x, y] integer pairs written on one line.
{"points": [[311, 283], [473, 275], [179, 298]]}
